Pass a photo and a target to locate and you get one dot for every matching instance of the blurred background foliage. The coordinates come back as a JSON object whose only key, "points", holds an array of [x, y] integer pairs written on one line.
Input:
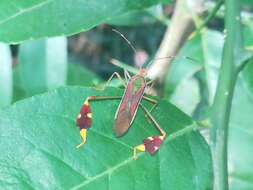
{"points": [[83, 59]]}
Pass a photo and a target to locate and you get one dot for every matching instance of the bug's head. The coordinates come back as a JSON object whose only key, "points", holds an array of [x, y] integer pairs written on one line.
{"points": [[142, 72]]}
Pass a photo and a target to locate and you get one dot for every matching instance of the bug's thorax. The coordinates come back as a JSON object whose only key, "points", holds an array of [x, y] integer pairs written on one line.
{"points": [[137, 83], [139, 80]]}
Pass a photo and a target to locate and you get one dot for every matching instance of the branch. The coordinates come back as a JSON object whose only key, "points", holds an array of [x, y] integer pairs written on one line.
{"points": [[221, 108], [181, 27], [210, 16], [248, 58]]}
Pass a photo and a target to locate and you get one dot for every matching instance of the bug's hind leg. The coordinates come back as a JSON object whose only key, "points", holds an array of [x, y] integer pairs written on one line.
{"points": [[84, 118], [83, 134], [150, 144]]}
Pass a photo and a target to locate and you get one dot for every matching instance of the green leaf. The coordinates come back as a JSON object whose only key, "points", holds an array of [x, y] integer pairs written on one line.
{"points": [[241, 138], [247, 75], [248, 33], [182, 88], [241, 122], [212, 44], [38, 139], [182, 68], [76, 75], [248, 3], [56, 62], [241, 133], [79, 75], [186, 96], [45, 18], [185, 88], [138, 17], [5, 75], [42, 66]]}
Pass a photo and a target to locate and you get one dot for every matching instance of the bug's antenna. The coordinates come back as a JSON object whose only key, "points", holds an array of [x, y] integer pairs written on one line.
{"points": [[129, 43], [159, 58], [170, 57], [154, 59]]}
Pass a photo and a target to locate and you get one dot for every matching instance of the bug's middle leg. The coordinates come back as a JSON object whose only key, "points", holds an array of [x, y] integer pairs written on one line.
{"points": [[152, 101]]}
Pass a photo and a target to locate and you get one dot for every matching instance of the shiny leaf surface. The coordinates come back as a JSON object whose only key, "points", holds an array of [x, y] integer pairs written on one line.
{"points": [[38, 139], [30, 18]]}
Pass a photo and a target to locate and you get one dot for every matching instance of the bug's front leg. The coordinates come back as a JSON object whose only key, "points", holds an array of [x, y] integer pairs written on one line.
{"points": [[150, 85], [114, 74], [84, 118], [150, 144]]}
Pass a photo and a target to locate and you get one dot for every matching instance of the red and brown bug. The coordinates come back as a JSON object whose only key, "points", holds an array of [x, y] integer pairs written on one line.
{"points": [[125, 114], [135, 87]]}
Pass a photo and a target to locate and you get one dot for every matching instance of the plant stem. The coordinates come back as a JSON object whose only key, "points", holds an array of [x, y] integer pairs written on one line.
{"points": [[223, 98], [210, 16], [177, 33]]}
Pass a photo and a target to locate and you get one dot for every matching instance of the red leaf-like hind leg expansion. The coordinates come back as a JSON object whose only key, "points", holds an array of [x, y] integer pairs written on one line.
{"points": [[84, 120], [150, 144]]}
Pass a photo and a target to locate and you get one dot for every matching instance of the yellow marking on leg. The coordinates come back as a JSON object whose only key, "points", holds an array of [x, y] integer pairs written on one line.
{"points": [[140, 148], [89, 115], [83, 134], [155, 147], [86, 102], [79, 116]]}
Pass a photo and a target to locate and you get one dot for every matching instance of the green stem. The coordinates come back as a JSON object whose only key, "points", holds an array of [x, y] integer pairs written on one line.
{"points": [[244, 63], [223, 98], [210, 16]]}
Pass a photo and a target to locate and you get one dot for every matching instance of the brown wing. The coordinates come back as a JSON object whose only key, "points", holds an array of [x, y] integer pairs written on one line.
{"points": [[122, 122], [129, 104]]}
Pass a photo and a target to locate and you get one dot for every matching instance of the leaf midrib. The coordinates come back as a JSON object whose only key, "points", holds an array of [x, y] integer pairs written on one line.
{"points": [[172, 136], [25, 10], [130, 159]]}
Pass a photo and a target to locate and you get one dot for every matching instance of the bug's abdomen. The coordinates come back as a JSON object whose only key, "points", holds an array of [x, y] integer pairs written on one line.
{"points": [[84, 118]]}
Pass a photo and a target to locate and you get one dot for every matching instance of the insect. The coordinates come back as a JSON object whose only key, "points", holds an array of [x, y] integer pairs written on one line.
{"points": [[135, 87], [125, 114]]}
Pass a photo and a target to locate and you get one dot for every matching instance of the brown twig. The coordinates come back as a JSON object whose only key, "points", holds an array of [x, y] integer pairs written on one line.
{"points": [[182, 25]]}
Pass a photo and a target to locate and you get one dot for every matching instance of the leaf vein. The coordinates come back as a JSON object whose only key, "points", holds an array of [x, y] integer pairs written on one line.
{"points": [[171, 137], [53, 156], [23, 11]]}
